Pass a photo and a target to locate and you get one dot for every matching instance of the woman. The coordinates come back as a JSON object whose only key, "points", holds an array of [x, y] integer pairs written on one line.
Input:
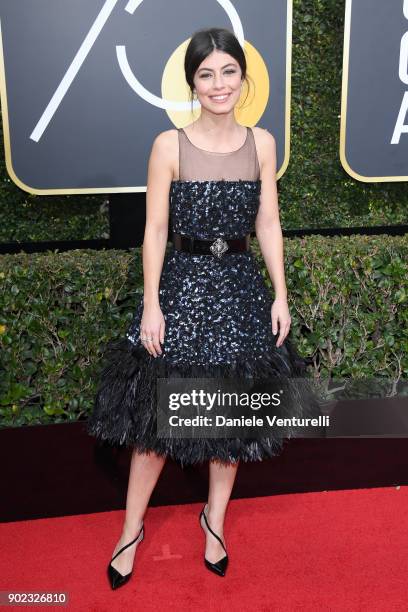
{"points": [[204, 311]]}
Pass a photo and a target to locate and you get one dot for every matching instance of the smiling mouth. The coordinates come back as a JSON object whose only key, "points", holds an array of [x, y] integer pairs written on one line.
{"points": [[220, 98]]}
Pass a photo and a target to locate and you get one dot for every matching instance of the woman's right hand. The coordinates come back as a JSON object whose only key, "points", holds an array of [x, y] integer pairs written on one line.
{"points": [[152, 326]]}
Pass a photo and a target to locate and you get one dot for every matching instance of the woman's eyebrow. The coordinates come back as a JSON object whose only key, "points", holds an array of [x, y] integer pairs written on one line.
{"points": [[211, 70]]}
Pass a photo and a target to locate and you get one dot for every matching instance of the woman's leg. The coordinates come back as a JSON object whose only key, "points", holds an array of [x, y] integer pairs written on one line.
{"points": [[222, 479], [144, 472]]}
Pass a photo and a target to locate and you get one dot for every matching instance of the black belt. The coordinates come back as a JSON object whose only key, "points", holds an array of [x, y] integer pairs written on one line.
{"points": [[217, 247]]}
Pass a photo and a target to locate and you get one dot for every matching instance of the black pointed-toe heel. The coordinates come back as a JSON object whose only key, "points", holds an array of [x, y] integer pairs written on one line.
{"points": [[219, 567], [116, 579]]}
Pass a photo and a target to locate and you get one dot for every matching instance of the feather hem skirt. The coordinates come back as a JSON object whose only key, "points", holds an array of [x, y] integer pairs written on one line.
{"points": [[125, 408]]}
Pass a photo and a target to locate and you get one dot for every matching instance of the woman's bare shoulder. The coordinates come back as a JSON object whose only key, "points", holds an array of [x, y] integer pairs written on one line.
{"points": [[263, 136], [165, 149], [265, 144], [166, 140]]}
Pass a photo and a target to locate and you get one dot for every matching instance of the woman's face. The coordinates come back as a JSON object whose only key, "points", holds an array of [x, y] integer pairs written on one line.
{"points": [[218, 82]]}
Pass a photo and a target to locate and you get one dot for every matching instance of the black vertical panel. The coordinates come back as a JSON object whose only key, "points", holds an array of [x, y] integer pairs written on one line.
{"points": [[127, 218]]}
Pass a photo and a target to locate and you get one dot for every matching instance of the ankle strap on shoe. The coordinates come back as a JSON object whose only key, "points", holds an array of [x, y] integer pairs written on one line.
{"points": [[126, 545], [209, 528]]}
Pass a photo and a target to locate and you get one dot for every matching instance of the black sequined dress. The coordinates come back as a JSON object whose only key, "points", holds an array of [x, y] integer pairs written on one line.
{"points": [[217, 313]]}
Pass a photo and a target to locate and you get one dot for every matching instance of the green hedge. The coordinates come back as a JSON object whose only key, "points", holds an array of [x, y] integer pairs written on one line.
{"points": [[347, 298], [315, 191]]}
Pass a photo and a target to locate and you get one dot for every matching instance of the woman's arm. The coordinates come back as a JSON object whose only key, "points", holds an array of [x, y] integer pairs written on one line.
{"points": [[159, 176], [269, 233]]}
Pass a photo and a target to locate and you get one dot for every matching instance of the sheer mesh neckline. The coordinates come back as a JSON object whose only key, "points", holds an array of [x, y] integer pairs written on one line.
{"points": [[218, 152], [198, 166]]}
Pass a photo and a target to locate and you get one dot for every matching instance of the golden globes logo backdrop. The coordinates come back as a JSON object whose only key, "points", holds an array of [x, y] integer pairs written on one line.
{"points": [[86, 86], [374, 113]]}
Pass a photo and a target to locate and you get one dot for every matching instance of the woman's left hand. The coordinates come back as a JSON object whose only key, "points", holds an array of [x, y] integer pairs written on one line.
{"points": [[280, 315]]}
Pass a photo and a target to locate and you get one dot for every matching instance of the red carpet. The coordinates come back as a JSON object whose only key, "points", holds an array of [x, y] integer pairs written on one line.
{"points": [[337, 550]]}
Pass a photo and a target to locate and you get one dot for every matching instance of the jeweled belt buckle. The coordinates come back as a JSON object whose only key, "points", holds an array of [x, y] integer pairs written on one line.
{"points": [[218, 247]]}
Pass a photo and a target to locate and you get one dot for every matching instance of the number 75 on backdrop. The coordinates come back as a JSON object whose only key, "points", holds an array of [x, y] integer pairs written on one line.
{"points": [[87, 85]]}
